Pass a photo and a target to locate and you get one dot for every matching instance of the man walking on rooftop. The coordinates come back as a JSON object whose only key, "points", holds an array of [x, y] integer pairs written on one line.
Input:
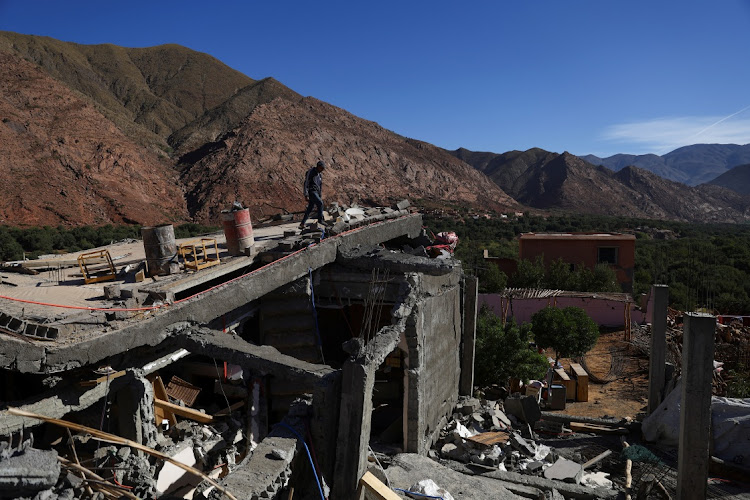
{"points": [[313, 192]]}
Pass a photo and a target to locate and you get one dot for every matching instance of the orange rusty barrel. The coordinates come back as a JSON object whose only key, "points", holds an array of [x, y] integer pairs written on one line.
{"points": [[161, 249], [230, 232], [244, 228], [238, 230]]}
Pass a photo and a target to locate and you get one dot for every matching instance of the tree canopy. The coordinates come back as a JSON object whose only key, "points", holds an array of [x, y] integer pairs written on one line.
{"points": [[502, 351], [569, 331]]}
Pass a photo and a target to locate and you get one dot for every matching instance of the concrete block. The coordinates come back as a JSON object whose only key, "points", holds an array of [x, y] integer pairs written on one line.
{"points": [[497, 413], [112, 292], [28, 472], [403, 205], [564, 470], [521, 445], [524, 408]]}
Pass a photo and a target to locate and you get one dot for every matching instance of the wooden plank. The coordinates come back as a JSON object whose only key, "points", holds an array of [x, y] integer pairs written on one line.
{"points": [[600, 456], [582, 381], [227, 411], [184, 412], [161, 393], [104, 378], [111, 438], [488, 439], [570, 385], [370, 487], [597, 429]]}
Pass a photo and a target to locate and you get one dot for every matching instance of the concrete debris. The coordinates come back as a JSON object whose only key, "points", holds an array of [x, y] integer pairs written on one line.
{"points": [[564, 470], [524, 408], [27, 472], [487, 435]]}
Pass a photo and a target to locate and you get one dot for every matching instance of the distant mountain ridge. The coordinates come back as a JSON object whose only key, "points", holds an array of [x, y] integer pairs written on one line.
{"points": [[691, 165], [552, 181], [736, 179]]}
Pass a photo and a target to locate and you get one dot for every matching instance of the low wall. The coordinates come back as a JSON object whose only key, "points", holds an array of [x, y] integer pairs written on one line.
{"points": [[605, 312]]}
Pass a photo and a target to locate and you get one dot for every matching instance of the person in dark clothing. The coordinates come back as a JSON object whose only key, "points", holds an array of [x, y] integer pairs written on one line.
{"points": [[313, 192]]}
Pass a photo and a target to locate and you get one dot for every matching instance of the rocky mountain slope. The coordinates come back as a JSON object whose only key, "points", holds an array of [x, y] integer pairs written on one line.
{"points": [[691, 165], [148, 93], [63, 162], [736, 179], [563, 181], [134, 106], [262, 163]]}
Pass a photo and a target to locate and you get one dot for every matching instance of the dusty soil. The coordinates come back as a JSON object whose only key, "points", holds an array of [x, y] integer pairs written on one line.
{"points": [[627, 393]]}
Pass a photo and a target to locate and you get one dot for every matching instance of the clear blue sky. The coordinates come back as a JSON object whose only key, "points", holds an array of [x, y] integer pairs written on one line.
{"points": [[585, 76]]}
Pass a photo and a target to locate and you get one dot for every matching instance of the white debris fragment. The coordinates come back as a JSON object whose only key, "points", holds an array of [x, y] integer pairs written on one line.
{"points": [[428, 487], [596, 480], [541, 451]]}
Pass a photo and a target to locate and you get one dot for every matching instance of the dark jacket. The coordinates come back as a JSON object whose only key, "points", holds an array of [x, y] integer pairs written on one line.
{"points": [[313, 182]]}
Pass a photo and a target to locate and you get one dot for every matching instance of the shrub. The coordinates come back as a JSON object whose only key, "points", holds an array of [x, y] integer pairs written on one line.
{"points": [[503, 352], [569, 331]]}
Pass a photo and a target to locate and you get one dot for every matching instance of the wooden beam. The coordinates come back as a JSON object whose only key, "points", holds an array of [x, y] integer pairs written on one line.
{"points": [[104, 378], [371, 487], [227, 411], [196, 415]]}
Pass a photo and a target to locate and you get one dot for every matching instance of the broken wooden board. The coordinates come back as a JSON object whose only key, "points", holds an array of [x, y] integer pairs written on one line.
{"points": [[597, 429], [489, 439], [160, 392], [372, 488], [229, 410], [196, 415], [104, 378], [582, 382]]}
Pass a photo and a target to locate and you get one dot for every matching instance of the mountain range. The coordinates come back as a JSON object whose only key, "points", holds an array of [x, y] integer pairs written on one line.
{"points": [[95, 134], [691, 165]]}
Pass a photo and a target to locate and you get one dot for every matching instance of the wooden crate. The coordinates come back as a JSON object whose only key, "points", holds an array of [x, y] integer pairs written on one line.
{"points": [[562, 378], [582, 381]]}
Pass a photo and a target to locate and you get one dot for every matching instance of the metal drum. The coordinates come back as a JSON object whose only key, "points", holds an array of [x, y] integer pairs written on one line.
{"points": [[230, 232], [238, 230], [244, 228], [161, 249]]}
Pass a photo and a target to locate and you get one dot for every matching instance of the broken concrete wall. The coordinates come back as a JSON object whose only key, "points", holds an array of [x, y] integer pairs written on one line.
{"points": [[287, 321], [433, 334], [357, 382]]}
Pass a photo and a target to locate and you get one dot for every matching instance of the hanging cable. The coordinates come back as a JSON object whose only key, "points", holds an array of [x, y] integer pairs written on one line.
{"points": [[315, 315], [309, 457]]}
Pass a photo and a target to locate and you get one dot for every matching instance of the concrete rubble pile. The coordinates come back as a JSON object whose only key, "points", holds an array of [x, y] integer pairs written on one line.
{"points": [[505, 437]]}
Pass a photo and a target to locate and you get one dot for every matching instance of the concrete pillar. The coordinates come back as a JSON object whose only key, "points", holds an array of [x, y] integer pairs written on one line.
{"points": [[358, 381], [469, 334], [657, 357], [695, 417]]}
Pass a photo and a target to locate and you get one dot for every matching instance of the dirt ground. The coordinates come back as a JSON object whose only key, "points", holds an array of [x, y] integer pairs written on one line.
{"points": [[626, 394]]}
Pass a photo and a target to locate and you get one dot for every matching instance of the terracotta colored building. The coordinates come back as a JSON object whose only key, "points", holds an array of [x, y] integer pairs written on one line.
{"points": [[589, 249]]}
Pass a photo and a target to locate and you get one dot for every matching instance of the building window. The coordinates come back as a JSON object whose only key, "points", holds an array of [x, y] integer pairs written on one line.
{"points": [[607, 255]]}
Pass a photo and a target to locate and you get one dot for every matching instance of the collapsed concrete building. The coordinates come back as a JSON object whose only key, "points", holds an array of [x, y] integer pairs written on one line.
{"points": [[340, 345]]}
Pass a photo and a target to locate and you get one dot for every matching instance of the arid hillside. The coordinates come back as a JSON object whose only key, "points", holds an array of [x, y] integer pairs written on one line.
{"points": [[262, 163], [63, 162]]}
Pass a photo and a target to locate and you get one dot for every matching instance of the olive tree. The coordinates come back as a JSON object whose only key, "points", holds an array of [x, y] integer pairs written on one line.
{"points": [[569, 331], [502, 351]]}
